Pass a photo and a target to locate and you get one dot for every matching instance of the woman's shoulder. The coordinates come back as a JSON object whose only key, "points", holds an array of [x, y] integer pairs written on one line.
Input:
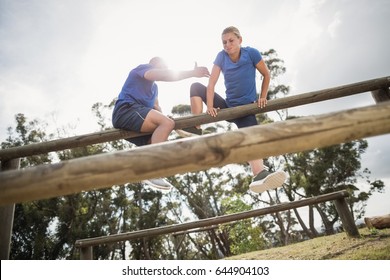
{"points": [[252, 53], [250, 49], [220, 57]]}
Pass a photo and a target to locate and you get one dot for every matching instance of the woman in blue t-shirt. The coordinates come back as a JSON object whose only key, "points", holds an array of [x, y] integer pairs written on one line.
{"points": [[238, 65]]}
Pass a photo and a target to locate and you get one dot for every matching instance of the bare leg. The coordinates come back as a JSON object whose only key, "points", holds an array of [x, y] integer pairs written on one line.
{"points": [[159, 124], [196, 105], [257, 166]]}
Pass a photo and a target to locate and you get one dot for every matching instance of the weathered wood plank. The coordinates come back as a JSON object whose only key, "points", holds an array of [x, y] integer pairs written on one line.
{"points": [[378, 222], [226, 114], [193, 154]]}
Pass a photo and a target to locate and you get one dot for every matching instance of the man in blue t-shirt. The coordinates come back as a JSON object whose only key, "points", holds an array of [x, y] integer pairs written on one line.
{"points": [[238, 65], [137, 108]]}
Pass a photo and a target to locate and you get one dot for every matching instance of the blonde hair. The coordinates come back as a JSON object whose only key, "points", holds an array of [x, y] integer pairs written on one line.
{"points": [[232, 29]]}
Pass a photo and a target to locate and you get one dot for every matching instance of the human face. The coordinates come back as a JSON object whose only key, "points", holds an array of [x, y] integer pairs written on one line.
{"points": [[231, 44]]}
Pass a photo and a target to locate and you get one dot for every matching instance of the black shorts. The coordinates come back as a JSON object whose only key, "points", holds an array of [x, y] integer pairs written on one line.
{"points": [[197, 89], [131, 116]]}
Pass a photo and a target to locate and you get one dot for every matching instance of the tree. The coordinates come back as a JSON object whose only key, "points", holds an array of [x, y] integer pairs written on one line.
{"points": [[326, 170], [244, 236], [31, 220]]}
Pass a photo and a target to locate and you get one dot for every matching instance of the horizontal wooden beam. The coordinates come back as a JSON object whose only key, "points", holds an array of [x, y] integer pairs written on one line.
{"points": [[183, 122], [218, 220], [378, 222], [192, 154]]}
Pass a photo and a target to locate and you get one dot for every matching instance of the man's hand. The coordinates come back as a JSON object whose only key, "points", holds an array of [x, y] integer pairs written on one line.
{"points": [[200, 72]]}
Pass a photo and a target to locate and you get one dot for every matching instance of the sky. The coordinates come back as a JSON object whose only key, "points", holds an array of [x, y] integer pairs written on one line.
{"points": [[58, 58]]}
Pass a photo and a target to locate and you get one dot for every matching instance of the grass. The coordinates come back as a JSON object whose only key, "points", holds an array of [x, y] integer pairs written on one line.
{"points": [[372, 245]]}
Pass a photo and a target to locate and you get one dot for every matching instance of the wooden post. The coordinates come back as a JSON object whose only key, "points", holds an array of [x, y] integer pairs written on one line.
{"points": [[378, 222], [193, 154], [7, 215], [381, 95], [346, 218], [86, 253]]}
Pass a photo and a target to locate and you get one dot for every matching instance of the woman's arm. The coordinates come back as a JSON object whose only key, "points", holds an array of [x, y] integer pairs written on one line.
{"points": [[215, 72], [263, 69]]}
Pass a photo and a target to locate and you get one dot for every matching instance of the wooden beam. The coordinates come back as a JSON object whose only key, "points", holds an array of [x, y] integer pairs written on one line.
{"points": [[378, 222], [226, 114], [209, 221], [193, 154]]}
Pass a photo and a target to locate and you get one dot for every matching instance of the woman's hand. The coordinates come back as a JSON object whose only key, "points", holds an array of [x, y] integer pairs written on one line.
{"points": [[212, 111], [262, 102]]}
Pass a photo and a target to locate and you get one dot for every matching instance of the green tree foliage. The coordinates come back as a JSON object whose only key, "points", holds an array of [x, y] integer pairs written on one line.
{"points": [[330, 169], [207, 194], [244, 236], [32, 220], [28, 132]]}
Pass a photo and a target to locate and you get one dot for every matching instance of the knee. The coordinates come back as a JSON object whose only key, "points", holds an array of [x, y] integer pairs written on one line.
{"points": [[197, 89], [169, 124]]}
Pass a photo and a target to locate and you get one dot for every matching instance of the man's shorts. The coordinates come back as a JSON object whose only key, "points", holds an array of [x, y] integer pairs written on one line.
{"points": [[131, 116]]}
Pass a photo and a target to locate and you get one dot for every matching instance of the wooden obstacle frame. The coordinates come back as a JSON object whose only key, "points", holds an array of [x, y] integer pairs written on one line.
{"points": [[86, 245], [186, 155]]}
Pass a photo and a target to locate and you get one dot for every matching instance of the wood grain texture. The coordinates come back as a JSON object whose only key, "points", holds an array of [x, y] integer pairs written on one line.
{"points": [[189, 121], [193, 154]]}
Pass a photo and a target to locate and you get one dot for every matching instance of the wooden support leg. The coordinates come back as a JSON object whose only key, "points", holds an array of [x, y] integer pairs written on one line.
{"points": [[86, 253], [7, 216], [381, 95], [346, 218]]}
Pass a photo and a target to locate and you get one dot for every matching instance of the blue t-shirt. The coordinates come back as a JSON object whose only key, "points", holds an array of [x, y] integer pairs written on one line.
{"points": [[240, 76], [137, 89]]}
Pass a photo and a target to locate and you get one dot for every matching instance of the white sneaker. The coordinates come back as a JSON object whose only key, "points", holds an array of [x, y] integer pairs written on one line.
{"points": [[159, 184], [266, 181]]}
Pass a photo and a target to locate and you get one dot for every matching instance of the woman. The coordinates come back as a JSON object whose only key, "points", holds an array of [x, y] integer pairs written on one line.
{"points": [[238, 65]]}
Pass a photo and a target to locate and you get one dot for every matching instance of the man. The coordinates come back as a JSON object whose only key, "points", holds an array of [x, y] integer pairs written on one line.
{"points": [[137, 108]]}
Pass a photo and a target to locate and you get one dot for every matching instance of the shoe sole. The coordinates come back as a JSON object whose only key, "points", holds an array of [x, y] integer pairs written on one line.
{"points": [[158, 187], [272, 181], [185, 134]]}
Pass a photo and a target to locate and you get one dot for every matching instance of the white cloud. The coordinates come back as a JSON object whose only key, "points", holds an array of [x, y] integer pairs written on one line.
{"points": [[334, 25]]}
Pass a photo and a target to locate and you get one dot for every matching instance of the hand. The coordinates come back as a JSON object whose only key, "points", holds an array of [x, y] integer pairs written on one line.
{"points": [[212, 111], [201, 72], [262, 102]]}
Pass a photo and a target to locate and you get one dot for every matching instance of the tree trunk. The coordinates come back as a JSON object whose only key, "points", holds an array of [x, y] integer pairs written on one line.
{"points": [[378, 222], [328, 225], [311, 220], [305, 229]]}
